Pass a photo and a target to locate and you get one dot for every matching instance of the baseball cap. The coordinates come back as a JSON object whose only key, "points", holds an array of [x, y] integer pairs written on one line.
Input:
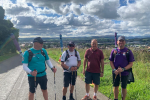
{"points": [[71, 43], [121, 38], [38, 39]]}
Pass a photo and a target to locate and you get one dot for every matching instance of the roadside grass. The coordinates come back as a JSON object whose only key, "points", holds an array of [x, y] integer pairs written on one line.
{"points": [[7, 56], [139, 90]]}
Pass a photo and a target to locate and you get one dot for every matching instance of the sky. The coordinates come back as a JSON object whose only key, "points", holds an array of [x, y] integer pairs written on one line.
{"points": [[78, 18]]}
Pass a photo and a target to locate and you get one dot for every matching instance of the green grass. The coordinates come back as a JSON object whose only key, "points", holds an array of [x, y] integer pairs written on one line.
{"points": [[139, 90], [7, 56]]}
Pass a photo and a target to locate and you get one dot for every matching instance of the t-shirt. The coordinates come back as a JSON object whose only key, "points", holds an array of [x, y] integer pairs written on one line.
{"points": [[37, 62], [72, 60], [120, 59], [94, 60]]}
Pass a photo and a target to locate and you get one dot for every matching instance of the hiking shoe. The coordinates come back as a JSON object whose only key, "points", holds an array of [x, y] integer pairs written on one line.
{"points": [[94, 97], [86, 97], [64, 98], [71, 98]]}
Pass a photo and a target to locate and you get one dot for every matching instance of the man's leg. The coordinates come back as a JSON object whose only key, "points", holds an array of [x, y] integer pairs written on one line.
{"points": [[71, 88], [124, 92], [45, 94], [116, 92], [64, 91], [87, 87], [31, 96], [96, 88]]}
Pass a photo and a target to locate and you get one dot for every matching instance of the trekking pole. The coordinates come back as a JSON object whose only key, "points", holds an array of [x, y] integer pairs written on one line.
{"points": [[54, 85], [75, 86], [35, 84], [112, 87], [121, 87]]}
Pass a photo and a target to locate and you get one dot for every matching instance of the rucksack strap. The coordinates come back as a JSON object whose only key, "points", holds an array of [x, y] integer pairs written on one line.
{"points": [[30, 55], [67, 54]]}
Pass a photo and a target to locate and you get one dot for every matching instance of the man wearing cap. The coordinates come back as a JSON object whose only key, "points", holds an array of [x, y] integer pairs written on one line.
{"points": [[94, 59], [36, 67], [120, 64], [70, 62]]}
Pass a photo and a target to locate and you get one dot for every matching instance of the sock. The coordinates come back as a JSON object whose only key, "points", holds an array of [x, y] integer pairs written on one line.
{"points": [[115, 99], [87, 94], [94, 94], [71, 94]]}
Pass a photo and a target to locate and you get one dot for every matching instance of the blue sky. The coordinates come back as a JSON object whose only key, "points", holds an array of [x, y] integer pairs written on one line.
{"points": [[78, 17]]}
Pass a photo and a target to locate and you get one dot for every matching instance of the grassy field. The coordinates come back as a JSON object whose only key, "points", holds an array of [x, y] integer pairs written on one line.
{"points": [[139, 90]]}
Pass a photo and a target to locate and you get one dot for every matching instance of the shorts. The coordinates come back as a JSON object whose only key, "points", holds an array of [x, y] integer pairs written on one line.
{"points": [[124, 80], [42, 81], [89, 77], [69, 78]]}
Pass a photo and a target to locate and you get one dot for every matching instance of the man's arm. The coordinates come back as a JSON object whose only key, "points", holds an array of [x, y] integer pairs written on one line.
{"points": [[126, 68], [102, 65], [64, 65], [84, 64], [113, 68]]}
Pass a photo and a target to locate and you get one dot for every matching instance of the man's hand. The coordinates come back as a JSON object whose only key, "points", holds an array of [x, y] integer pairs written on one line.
{"points": [[119, 70], [34, 73], [72, 68], [83, 72], [54, 69], [101, 74], [116, 72], [75, 68]]}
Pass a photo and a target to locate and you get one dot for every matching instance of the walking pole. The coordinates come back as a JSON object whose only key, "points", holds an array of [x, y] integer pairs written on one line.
{"points": [[75, 86], [121, 87], [54, 85], [112, 87], [35, 84]]}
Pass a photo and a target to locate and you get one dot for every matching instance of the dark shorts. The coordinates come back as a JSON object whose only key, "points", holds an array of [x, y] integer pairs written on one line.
{"points": [[69, 78], [39, 80], [117, 81], [89, 77]]}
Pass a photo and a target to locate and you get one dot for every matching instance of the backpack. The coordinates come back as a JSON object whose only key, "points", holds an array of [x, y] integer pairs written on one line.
{"points": [[31, 55], [130, 76], [67, 54]]}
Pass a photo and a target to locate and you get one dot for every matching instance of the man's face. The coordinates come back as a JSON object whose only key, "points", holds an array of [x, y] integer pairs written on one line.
{"points": [[121, 43], [94, 44], [38, 46], [71, 47]]}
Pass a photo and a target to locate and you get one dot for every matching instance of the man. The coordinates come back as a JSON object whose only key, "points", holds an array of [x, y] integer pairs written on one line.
{"points": [[120, 64], [35, 67], [70, 61], [95, 68]]}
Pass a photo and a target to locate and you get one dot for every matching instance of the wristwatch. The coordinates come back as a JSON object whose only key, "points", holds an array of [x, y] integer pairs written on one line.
{"points": [[123, 69], [114, 70]]}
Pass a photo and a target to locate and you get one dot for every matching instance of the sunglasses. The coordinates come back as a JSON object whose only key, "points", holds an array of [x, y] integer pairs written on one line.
{"points": [[71, 45]]}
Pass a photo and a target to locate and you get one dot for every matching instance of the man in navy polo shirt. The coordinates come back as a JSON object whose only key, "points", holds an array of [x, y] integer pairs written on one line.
{"points": [[36, 68], [94, 59], [120, 64]]}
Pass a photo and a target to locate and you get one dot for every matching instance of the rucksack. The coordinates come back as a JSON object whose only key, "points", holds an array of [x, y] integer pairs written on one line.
{"points": [[130, 76], [31, 55], [67, 54]]}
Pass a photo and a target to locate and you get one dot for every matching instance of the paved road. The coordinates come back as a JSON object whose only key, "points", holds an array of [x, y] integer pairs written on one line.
{"points": [[14, 83]]}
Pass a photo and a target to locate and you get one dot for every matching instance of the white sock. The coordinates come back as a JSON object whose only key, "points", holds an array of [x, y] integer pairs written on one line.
{"points": [[94, 94], [87, 94]]}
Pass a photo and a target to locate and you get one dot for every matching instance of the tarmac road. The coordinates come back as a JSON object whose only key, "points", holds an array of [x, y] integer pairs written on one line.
{"points": [[14, 82]]}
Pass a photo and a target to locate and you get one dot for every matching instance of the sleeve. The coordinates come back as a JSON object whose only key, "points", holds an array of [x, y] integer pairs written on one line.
{"points": [[86, 54], [25, 57], [131, 57], [78, 56], [25, 67], [63, 56], [102, 55], [49, 63], [46, 55], [111, 57]]}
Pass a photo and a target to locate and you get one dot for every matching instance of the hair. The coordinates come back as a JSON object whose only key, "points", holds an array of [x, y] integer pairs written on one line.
{"points": [[94, 40]]}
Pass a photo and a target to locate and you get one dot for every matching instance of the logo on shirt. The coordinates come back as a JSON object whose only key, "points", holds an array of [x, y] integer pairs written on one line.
{"points": [[124, 53]]}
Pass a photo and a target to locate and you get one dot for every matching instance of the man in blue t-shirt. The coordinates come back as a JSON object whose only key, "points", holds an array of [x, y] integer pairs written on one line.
{"points": [[36, 68], [120, 64]]}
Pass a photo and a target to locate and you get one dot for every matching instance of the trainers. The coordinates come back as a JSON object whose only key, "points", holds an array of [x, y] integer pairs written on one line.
{"points": [[86, 97], [94, 97]]}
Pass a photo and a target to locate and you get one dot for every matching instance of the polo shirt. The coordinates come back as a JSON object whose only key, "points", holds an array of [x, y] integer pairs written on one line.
{"points": [[120, 59], [37, 62], [94, 60]]}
